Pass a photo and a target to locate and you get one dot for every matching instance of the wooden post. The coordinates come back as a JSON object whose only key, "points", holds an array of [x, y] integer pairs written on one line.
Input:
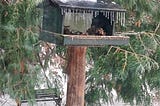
{"points": [[76, 75]]}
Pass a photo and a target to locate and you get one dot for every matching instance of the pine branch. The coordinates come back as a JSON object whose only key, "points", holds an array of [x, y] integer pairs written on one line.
{"points": [[134, 53], [43, 69]]}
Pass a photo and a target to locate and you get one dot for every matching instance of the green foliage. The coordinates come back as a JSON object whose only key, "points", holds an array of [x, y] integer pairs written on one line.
{"points": [[131, 70], [18, 40]]}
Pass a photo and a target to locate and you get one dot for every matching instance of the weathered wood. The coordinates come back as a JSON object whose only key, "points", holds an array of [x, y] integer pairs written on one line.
{"points": [[51, 38], [81, 40], [52, 17], [129, 33], [76, 75]]}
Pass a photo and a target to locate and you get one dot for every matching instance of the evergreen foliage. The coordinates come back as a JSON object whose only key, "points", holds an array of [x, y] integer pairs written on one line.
{"points": [[18, 50], [133, 71], [126, 69]]}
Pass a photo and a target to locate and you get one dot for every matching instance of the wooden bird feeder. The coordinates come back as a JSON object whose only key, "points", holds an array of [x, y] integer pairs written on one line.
{"points": [[80, 16], [79, 24]]}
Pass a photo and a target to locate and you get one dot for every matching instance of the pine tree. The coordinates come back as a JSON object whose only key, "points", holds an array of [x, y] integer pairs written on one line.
{"points": [[19, 20]]}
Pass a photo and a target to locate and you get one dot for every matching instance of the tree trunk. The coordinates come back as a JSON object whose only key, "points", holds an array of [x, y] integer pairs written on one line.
{"points": [[76, 75]]}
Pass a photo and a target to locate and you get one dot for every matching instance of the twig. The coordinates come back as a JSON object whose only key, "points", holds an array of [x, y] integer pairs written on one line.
{"points": [[157, 28], [4, 103], [48, 81]]}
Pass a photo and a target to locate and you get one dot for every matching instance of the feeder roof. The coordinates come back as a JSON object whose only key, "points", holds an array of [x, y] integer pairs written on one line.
{"points": [[89, 5]]}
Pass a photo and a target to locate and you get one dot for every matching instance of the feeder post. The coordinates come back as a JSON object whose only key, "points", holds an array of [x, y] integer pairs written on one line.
{"points": [[76, 75]]}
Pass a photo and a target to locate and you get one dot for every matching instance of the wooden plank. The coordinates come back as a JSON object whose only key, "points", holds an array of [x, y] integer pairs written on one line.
{"points": [[80, 40], [51, 38], [129, 33], [52, 18]]}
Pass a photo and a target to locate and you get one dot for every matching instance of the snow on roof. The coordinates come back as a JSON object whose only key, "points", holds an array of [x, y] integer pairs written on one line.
{"points": [[90, 5]]}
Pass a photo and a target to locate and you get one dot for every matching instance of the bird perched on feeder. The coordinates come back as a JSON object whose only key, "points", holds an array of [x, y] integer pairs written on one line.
{"points": [[67, 30], [96, 31], [100, 31]]}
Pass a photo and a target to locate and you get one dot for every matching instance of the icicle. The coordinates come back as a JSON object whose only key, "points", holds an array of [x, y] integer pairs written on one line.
{"points": [[97, 12], [76, 17], [111, 18], [108, 14], [94, 15], [73, 16], [121, 18], [67, 18], [117, 17], [69, 10], [90, 19], [124, 19], [65, 10], [73, 11], [86, 21], [105, 14], [77, 11], [83, 11], [62, 10], [92, 12]]}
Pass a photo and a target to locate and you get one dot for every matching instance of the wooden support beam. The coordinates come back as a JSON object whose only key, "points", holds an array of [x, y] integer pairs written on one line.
{"points": [[76, 75]]}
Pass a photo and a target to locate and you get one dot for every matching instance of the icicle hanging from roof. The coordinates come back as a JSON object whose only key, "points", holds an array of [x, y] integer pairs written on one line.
{"points": [[78, 20], [120, 18], [76, 14], [110, 10]]}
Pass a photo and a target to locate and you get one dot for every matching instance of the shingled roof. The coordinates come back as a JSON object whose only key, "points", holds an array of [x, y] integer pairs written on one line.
{"points": [[89, 5]]}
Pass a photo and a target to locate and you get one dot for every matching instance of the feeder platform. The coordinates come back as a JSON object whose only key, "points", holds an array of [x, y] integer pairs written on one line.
{"points": [[85, 40]]}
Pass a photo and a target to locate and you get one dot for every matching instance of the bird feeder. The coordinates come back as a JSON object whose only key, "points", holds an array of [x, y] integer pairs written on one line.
{"points": [[78, 22]]}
